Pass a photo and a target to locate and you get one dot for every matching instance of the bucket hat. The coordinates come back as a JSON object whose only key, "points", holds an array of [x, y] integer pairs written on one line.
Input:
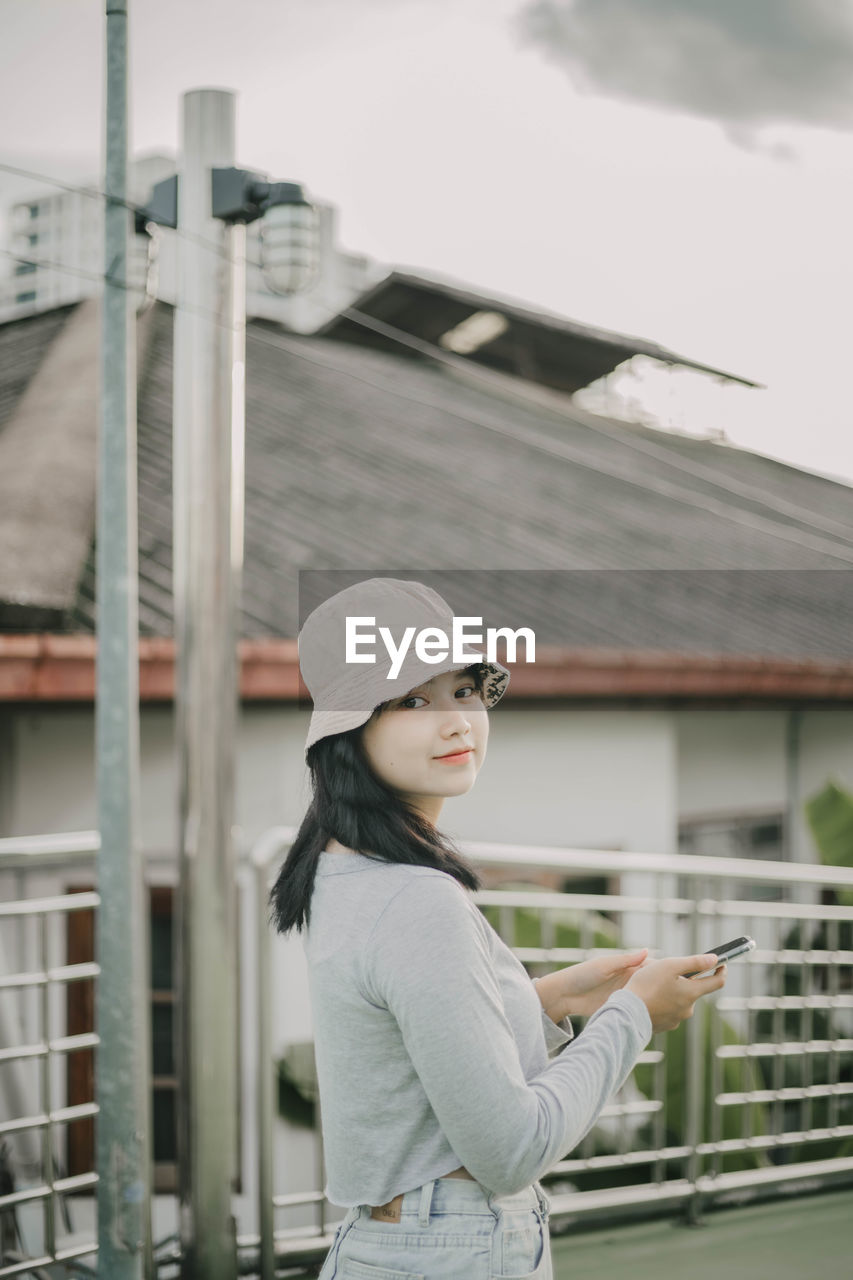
{"points": [[345, 694]]}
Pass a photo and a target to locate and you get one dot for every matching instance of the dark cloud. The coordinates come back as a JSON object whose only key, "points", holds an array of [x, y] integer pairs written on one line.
{"points": [[746, 63]]}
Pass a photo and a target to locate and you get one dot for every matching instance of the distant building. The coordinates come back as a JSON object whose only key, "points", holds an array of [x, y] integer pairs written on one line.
{"points": [[57, 239]]}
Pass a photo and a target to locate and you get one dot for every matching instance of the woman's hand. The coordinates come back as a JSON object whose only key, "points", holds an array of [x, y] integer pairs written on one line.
{"points": [[582, 988], [669, 994]]}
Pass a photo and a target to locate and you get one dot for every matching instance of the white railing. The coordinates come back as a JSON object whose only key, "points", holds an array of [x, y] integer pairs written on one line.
{"points": [[753, 1093], [650, 1148], [31, 1113]]}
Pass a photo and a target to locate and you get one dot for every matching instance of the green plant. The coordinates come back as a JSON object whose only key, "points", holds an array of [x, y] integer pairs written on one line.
{"points": [[829, 814], [296, 1078], [734, 1075], [568, 925]]}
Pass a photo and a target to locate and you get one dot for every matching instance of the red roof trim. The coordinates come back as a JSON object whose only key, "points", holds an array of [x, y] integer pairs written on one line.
{"points": [[61, 668]]}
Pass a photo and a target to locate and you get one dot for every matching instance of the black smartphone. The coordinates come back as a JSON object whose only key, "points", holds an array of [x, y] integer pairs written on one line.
{"points": [[726, 951]]}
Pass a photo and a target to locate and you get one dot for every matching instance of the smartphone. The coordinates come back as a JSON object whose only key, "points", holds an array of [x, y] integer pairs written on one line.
{"points": [[726, 951]]}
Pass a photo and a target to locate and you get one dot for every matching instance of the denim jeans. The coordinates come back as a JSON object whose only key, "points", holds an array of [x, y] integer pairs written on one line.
{"points": [[449, 1229]]}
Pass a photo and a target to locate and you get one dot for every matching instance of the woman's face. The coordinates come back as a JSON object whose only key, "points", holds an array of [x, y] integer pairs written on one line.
{"points": [[431, 743]]}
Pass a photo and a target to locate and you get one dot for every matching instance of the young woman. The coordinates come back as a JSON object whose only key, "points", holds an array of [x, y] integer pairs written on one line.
{"points": [[447, 1089]]}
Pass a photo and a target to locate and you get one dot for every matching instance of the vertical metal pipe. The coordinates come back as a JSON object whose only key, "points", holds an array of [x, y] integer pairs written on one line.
{"points": [[659, 1074], [793, 734], [207, 559], [265, 1098], [694, 1074], [716, 1065], [749, 1069], [123, 1068], [48, 1132], [833, 939], [236, 373]]}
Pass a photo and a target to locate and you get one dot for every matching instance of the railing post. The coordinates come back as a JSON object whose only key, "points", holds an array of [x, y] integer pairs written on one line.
{"points": [[270, 845], [694, 1070], [264, 1083]]}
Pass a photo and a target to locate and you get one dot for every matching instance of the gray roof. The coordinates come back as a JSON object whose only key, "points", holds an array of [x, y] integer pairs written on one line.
{"points": [[369, 461], [23, 346], [48, 461]]}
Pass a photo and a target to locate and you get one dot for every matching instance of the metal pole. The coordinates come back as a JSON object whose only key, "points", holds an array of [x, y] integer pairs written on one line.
{"points": [[123, 1068], [207, 558], [264, 1083], [792, 842], [694, 1081], [271, 845]]}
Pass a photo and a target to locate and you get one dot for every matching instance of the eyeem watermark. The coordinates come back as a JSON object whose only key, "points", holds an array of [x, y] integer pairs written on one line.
{"points": [[432, 644]]}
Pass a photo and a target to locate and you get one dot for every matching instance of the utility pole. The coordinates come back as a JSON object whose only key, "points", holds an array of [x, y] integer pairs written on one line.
{"points": [[208, 522], [123, 1073]]}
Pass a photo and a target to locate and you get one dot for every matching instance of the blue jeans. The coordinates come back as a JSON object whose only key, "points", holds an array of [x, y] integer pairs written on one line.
{"points": [[449, 1229]]}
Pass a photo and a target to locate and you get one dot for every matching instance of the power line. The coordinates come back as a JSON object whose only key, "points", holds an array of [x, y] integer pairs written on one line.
{"points": [[74, 188], [66, 268], [544, 398], [533, 396], [93, 193], [100, 278], [532, 439]]}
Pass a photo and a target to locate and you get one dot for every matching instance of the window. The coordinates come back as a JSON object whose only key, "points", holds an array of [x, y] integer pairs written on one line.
{"points": [[34, 211], [24, 268], [28, 296], [757, 835]]}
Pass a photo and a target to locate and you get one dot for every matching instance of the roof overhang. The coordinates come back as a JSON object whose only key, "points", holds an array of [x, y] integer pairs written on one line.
{"points": [[61, 668], [535, 345]]}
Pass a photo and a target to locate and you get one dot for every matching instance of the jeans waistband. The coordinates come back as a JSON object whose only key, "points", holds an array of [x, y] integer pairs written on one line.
{"points": [[458, 1195]]}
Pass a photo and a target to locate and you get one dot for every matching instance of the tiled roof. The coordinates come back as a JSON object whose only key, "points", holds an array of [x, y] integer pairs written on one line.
{"points": [[23, 345], [48, 463]]}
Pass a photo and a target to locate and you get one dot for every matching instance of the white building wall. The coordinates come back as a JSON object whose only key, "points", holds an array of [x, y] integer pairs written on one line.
{"points": [[602, 779], [606, 779], [68, 227], [731, 760], [735, 761], [826, 753]]}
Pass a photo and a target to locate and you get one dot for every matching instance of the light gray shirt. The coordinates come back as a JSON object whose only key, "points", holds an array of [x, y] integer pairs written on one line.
{"points": [[432, 1047]]}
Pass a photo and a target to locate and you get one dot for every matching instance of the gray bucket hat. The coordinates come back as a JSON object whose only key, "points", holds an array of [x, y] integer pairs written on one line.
{"points": [[345, 693]]}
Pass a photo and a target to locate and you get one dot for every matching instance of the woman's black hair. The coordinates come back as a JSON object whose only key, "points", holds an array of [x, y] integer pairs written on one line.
{"points": [[351, 804]]}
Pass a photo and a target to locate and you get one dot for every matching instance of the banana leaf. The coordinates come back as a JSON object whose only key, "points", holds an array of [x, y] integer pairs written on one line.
{"points": [[830, 817]]}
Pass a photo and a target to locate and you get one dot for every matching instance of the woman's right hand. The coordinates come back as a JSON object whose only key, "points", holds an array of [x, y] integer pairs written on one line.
{"points": [[668, 995]]}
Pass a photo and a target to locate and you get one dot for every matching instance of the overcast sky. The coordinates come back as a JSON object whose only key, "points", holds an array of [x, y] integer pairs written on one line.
{"points": [[675, 169]]}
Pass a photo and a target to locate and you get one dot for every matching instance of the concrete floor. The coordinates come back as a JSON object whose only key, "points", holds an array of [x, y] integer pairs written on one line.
{"points": [[804, 1238]]}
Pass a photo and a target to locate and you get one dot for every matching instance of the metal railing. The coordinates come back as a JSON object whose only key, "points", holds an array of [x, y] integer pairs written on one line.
{"points": [[688, 1136], [34, 1125], [752, 1094]]}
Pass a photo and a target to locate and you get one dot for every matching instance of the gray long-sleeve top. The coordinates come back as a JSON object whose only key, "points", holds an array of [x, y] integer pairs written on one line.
{"points": [[432, 1047]]}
